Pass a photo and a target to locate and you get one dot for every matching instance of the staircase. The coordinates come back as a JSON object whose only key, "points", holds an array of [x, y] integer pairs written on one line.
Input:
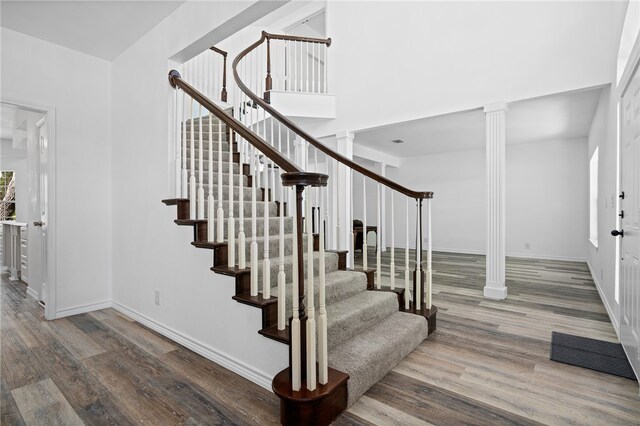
{"points": [[261, 235]]}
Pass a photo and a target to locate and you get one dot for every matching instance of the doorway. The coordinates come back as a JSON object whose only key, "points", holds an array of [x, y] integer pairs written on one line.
{"points": [[26, 145]]}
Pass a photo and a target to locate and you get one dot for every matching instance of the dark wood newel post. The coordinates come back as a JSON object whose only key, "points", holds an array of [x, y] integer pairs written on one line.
{"points": [[302, 312], [223, 94], [268, 82]]}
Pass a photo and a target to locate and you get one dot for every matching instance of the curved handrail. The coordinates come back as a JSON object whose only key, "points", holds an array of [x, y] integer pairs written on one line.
{"points": [[313, 141], [273, 154]]}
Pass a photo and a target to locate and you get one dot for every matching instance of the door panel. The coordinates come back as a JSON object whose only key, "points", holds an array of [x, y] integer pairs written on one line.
{"points": [[630, 204]]}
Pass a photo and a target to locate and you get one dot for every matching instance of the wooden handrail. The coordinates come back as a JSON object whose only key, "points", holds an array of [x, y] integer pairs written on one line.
{"points": [[268, 36], [263, 146], [313, 141], [220, 51], [223, 93]]}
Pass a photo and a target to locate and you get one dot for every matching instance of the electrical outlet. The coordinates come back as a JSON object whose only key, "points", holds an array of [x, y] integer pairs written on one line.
{"points": [[527, 246], [158, 297]]}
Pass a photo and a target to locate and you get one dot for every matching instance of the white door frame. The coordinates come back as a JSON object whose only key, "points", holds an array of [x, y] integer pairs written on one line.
{"points": [[50, 310]]}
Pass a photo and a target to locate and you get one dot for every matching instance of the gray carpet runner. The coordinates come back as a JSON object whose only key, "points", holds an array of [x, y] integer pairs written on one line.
{"points": [[367, 335]]}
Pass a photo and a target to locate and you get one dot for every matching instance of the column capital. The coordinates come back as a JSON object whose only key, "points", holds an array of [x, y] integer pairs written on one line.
{"points": [[496, 107], [344, 134]]}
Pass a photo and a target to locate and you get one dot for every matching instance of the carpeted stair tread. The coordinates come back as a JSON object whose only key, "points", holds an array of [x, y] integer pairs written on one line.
{"points": [[351, 316], [331, 264], [370, 355], [205, 152], [274, 246], [273, 226], [273, 208], [205, 166], [340, 285]]}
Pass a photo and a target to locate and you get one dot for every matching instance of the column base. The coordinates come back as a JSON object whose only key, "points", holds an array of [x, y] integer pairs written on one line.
{"points": [[495, 291]]}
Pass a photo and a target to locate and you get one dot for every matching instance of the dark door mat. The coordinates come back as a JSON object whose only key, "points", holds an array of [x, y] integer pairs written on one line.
{"points": [[597, 355]]}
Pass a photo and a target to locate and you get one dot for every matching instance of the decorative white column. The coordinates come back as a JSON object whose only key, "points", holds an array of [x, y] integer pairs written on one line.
{"points": [[495, 114], [344, 187]]}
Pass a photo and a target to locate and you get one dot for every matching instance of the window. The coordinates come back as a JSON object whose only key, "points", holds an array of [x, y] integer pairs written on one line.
{"points": [[7, 195], [593, 198]]}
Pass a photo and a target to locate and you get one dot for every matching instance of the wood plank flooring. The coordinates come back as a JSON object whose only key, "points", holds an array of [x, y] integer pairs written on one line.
{"points": [[488, 363]]}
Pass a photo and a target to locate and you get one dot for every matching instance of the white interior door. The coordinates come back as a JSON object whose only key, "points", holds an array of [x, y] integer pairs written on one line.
{"points": [[42, 222], [630, 222]]}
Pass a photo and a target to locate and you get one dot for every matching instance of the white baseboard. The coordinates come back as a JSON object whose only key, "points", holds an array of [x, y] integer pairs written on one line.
{"points": [[465, 251], [34, 294], [547, 257], [212, 354], [518, 255], [605, 302], [82, 309]]}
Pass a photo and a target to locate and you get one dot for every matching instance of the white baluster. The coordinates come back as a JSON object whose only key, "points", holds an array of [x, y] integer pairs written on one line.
{"points": [[296, 371], [335, 215], [282, 279], [178, 144], [427, 286], [324, 66], [379, 241], [185, 179], [211, 203], [392, 265], [200, 166], [313, 67], [254, 227], [311, 314], [364, 223], [306, 63], [323, 357], [407, 284], [231, 231], [192, 176], [242, 240], [266, 262], [220, 212]]}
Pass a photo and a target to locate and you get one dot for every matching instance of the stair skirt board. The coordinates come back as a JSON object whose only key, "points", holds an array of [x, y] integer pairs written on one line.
{"points": [[368, 334]]}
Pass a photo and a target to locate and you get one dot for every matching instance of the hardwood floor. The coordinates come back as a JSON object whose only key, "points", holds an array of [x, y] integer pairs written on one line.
{"points": [[102, 368], [488, 363]]}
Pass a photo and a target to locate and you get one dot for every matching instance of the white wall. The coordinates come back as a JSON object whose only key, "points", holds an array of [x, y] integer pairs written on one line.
{"points": [[78, 86], [546, 199], [152, 253], [427, 58], [459, 205]]}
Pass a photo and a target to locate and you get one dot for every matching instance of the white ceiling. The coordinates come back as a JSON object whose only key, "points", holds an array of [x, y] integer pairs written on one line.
{"points": [[100, 28], [560, 116]]}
